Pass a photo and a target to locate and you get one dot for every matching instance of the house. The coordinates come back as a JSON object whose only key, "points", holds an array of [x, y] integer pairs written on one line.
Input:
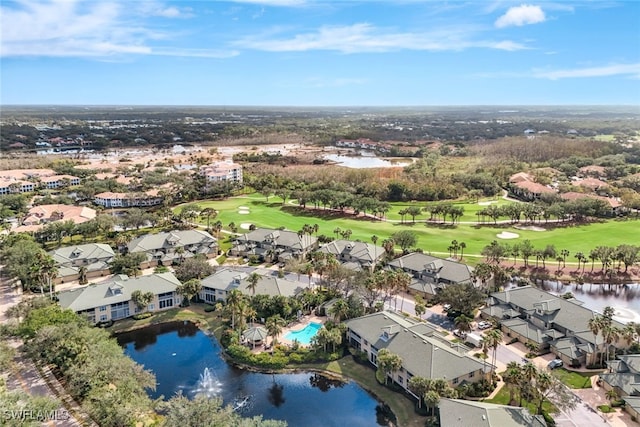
{"points": [[523, 185], [58, 181], [222, 172], [94, 258], [111, 300], [110, 199], [270, 245], [593, 171], [218, 285], [13, 186], [430, 274], [167, 248], [593, 184], [465, 413], [611, 202], [353, 254], [40, 215], [424, 352], [623, 375], [548, 322]]}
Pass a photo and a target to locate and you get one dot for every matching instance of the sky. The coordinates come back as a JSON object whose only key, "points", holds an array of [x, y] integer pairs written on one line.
{"points": [[320, 52]]}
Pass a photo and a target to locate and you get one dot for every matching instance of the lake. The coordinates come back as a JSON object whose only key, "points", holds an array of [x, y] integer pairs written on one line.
{"points": [[185, 359], [363, 162]]}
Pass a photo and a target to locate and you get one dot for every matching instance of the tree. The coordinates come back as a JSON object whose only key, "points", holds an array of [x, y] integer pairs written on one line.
{"points": [[142, 299], [405, 239], [128, 264], [209, 213], [252, 282], [493, 339], [464, 298], [82, 275], [339, 309], [189, 289], [463, 323], [388, 363], [413, 211], [197, 267], [274, 325], [419, 386], [234, 302]]}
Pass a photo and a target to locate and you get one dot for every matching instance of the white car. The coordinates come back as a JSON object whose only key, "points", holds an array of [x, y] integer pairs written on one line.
{"points": [[484, 325], [446, 307]]}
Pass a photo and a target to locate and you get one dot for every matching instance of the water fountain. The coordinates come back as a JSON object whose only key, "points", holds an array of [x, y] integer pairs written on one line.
{"points": [[208, 385]]}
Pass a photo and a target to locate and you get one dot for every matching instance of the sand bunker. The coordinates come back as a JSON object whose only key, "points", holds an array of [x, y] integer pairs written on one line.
{"points": [[507, 235], [245, 225], [243, 208], [487, 203], [244, 212], [530, 228]]}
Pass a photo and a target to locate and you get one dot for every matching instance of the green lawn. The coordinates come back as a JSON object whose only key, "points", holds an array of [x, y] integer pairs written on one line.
{"points": [[502, 398], [431, 238], [573, 379]]}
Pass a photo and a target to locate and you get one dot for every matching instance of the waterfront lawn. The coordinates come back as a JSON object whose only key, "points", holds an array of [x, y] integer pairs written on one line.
{"points": [[403, 407], [573, 379], [194, 313], [433, 239]]}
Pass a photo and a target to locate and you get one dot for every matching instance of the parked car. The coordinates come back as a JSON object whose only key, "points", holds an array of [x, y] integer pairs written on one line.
{"points": [[446, 307], [484, 325], [555, 363], [458, 333]]}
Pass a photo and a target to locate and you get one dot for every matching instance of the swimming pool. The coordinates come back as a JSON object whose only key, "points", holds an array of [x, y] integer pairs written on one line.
{"points": [[303, 336]]}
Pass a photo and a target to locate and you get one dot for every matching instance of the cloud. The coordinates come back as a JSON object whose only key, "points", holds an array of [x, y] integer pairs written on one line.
{"points": [[273, 2], [632, 70], [71, 28], [521, 15], [365, 37]]}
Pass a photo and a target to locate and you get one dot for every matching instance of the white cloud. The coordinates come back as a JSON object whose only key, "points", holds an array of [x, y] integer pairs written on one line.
{"points": [[71, 28], [273, 2], [364, 37], [632, 70], [521, 15]]}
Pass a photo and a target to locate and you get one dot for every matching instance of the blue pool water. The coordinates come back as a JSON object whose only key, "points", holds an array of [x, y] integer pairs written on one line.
{"points": [[304, 336]]}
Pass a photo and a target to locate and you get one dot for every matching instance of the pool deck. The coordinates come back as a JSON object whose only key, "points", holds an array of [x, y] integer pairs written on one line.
{"points": [[299, 325]]}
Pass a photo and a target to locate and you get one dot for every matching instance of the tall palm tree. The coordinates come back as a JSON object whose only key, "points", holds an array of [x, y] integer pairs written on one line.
{"points": [[82, 275], [209, 213], [274, 325], [252, 282], [339, 309], [493, 338], [463, 323], [234, 301], [512, 378]]}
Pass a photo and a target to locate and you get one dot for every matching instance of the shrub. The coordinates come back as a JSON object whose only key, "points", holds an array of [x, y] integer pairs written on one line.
{"points": [[141, 316], [296, 358], [361, 357], [605, 409], [617, 403], [208, 308]]}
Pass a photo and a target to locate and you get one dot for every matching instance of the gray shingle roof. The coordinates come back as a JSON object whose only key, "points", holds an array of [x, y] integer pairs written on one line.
{"points": [[161, 241], [284, 238], [73, 254], [364, 253], [451, 271], [227, 279], [421, 355], [465, 413], [115, 291]]}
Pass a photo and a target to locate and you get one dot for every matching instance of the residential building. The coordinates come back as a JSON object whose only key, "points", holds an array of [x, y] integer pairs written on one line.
{"points": [[111, 300], [353, 254], [623, 375], [217, 286], [93, 258], [548, 322], [110, 199], [270, 245], [222, 172], [465, 413], [611, 202], [430, 274], [167, 248], [423, 350], [523, 185], [40, 215], [57, 181], [14, 186]]}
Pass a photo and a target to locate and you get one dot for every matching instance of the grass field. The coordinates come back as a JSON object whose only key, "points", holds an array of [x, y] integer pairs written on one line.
{"points": [[573, 379], [431, 238]]}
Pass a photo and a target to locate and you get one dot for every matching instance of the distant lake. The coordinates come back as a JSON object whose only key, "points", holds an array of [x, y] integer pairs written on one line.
{"points": [[363, 162], [178, 354]]}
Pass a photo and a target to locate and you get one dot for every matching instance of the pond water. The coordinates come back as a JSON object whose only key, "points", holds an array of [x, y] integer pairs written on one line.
{"points": [[185, 359], [625, 299], [363, 162]]}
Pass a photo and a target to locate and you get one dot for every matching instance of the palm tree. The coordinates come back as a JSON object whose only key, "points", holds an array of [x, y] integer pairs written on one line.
{"points": [[339, 309], [463, 323], [209, 213], [142, 299], [274, 325], [512, 379], [493, 338], [252, 282], [462, 246], [234, 300], [82, 275]]}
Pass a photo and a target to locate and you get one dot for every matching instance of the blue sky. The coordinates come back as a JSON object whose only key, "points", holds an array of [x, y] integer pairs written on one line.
{"points": [[320, 53]]}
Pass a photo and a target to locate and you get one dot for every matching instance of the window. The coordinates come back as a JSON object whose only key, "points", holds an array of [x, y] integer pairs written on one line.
{"points": [[103, 308], [152, 307], [472, 374], [455, 381], [103, 317]]}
